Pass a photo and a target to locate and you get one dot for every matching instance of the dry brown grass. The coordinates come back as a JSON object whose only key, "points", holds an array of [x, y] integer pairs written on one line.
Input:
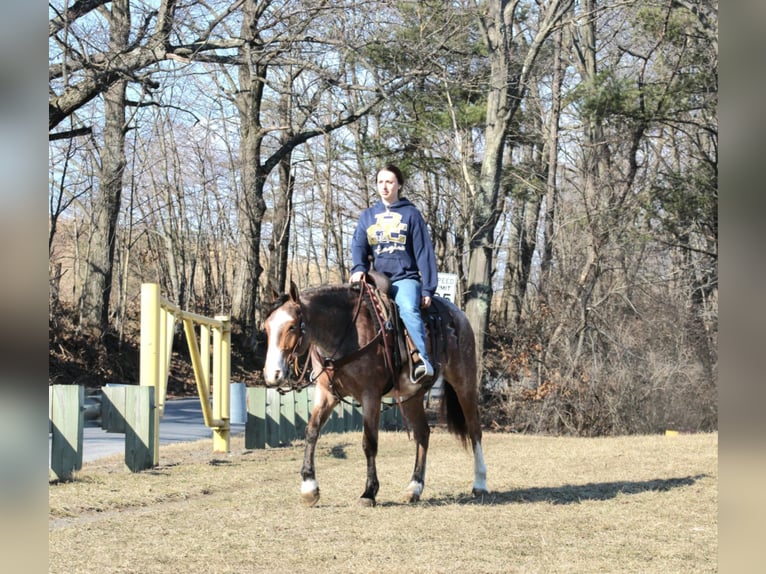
{"points": [[624, 504]]}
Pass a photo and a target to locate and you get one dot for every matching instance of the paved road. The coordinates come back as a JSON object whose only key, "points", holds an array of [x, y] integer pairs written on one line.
{"points": [[182, 422]]}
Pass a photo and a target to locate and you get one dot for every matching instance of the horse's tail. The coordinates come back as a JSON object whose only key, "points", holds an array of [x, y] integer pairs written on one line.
{"points": [[452, 414]]}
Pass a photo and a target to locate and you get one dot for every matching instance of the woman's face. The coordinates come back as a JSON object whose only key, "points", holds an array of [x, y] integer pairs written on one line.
{"points": [[388, 186]]}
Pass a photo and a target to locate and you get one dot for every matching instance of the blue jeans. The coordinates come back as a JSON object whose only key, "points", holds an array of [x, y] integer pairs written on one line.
{"points": [[407, 295]]}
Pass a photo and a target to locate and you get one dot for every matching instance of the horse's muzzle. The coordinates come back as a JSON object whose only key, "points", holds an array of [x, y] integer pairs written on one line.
{"points": [[274, 375]]}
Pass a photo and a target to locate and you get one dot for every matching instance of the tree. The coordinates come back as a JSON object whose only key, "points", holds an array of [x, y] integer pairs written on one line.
{"points": [[86, 71], [277, 40], [511, 59], [94, 307]]}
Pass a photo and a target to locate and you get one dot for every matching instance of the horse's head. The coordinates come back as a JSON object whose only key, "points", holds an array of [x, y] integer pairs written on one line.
{"points": [[286, 337]]}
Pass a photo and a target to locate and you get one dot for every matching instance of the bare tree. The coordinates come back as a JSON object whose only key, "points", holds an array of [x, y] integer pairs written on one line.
{"points": [[508, 81], [94, 305], [83, 73], [259, 53]]}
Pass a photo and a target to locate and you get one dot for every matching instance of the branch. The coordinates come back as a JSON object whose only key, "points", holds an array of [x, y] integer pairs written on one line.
{"points": [[69, 134], [79, 8]]}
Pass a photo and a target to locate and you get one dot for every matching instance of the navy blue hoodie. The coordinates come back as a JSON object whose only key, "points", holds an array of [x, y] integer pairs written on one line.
{"points": [[398, 240]]}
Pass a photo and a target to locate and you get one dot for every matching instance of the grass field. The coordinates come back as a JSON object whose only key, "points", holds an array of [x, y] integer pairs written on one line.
{"points": [[625, 504]]}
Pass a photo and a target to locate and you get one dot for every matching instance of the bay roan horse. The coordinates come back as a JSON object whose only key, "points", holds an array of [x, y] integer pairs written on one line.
{"points": [[349, 360]]}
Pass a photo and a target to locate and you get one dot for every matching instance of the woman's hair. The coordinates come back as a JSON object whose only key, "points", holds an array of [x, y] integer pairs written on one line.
{"points": [[396, 171]]}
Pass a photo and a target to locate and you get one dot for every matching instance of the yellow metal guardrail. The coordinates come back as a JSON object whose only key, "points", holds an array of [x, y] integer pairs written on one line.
{"points": [[158, 320]]}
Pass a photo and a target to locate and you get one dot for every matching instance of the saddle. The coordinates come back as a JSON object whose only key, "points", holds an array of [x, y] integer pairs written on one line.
{"points": [[399, 346]]}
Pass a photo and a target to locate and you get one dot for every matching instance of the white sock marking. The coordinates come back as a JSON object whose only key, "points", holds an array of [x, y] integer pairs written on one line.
{"points": [[479, 469], [309, 486], [415, 488]]}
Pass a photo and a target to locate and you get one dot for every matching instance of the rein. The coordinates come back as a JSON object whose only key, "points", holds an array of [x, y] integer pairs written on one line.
{"points": [[331, 363], [328, 363]]}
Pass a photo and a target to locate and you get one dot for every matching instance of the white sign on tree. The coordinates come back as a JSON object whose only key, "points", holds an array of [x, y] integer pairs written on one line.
{"points": [[446, 285]]}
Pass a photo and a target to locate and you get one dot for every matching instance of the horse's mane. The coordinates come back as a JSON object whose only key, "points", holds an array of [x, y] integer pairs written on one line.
{"points": [[325, 288], [313, 293], [375, 278]]}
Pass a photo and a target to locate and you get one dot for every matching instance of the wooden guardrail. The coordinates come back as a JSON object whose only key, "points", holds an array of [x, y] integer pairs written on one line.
{"points": [[275, 419], [158, 319], [134, 408], [272, 420]]}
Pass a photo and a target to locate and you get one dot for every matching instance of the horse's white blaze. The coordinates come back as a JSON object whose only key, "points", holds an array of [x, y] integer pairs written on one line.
{"points": [[415, 488], [275, 359], [479, 469], [309, 486]]}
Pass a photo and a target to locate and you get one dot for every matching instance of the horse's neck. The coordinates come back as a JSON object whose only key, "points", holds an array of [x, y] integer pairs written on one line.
{"points": [[330, 317]]}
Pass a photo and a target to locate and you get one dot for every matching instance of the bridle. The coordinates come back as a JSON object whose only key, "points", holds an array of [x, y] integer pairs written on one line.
{"points": [[296, 351], [332, 362]]}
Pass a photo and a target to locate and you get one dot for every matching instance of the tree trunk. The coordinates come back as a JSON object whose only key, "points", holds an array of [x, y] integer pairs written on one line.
{"points": [[508, 78], [252, 79], [522, 236], [552, 147], [594, 163], [281, 222], [94, 311], [484, 213]]}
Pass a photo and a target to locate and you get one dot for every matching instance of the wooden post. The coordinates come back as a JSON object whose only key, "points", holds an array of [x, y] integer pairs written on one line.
{"points": [[222, 385], [255, 427], [273, 415], [150, 355], [336, 419], [141, 430], [67, 418], [158, 320], [287, 418], [113, 408], [390, 417], [167, 322], [301, 413]]}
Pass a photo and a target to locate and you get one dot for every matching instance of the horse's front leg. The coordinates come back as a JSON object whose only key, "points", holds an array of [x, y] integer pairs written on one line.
{"points": [[324, 402], [416, 415], [371, 416]]}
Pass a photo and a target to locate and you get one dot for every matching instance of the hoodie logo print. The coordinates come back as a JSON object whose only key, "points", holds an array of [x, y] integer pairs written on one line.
{"points": [[387, 229]]}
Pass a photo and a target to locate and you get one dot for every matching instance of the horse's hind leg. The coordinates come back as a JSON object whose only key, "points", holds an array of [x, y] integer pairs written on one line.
{"points": [[473, 424], [467, 397], [416, 416], [324, 402], [479, 469]]}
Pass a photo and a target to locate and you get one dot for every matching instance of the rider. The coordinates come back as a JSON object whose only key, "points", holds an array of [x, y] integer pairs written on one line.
{"points": [[394, 233]]}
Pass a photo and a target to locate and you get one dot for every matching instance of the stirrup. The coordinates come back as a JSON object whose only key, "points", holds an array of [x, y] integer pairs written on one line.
{"points": [[422, 371]]}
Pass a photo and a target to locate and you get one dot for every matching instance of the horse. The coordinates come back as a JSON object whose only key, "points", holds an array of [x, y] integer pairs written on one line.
{"points": [[346, 341]]}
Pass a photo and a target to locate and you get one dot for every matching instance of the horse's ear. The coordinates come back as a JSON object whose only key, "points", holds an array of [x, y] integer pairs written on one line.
{"points": [[293, 291], [273, 291]]}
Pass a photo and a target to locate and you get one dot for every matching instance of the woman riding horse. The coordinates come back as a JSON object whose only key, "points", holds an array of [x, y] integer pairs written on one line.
{"points": [[348, 359]]}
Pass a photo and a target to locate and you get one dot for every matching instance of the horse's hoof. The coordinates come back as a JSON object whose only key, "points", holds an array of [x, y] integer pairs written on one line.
{"points": [[310, 498], [411, 497], [479, 492], [310, 492], [413, 492], [367, 502]]}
